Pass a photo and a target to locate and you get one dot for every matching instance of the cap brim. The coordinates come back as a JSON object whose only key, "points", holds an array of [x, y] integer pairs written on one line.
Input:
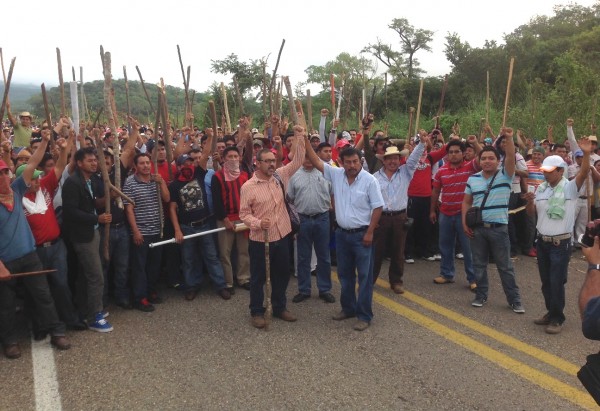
{"points": [[548, 169]]}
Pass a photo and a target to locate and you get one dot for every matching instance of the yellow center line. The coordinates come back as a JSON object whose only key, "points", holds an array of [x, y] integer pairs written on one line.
{"points": [[541, 355]]}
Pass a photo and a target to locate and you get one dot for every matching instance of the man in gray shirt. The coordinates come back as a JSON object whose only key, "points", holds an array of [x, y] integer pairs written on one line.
{"points": [[311, 194]]}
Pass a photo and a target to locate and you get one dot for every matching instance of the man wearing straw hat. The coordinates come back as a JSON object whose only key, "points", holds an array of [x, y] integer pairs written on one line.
{"points": [[22, 129]]}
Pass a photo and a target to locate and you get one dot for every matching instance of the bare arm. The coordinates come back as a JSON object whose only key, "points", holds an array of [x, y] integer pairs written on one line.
{"points": [[313, 157], [36, 157], [586, 146], [509, 159]]}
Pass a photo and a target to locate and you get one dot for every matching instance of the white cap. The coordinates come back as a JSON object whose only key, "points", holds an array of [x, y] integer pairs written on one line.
{"points": [[552, 162]]}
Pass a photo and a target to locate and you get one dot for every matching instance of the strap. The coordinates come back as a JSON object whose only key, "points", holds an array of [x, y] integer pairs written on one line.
{"points": [[489, 187], [278, 178]]}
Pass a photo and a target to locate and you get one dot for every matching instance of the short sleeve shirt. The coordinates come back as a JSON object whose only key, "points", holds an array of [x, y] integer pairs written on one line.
{"points": [[495, 209]]}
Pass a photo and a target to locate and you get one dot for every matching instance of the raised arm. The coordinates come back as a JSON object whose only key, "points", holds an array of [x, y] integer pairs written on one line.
{"points": [[322, 124], [313, 157], [203, 160], [36, 157], [585, 145]]}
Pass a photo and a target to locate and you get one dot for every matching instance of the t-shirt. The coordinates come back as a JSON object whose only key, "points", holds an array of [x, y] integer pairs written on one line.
{"points": [[22, 135], [44, 226], [146, 210], [16, 239], [495, 209], [536, 176], [190, 197], [452, 181]]}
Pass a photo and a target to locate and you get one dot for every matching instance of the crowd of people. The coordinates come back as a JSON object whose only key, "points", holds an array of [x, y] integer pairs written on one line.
{"points": [[82, 206]]}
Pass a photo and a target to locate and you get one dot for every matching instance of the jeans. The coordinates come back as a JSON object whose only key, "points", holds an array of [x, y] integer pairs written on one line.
{"points": [[450, 229], [37, 286], [90, 280], [494, 241], [55, 257], [553, 265], [279, 255], [200, 247], [118, 251], [314, 231], [145, 267], [354, 257], [390, 230]]}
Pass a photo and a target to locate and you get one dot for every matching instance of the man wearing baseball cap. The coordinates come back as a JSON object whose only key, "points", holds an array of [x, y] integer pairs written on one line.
{"points": [[555, 202]]}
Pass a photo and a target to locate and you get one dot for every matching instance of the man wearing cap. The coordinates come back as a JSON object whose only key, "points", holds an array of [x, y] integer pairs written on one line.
{"points": [[315, 140], [21, 129], [491, 237], [393, 181], [555, 202], [190, 214], [17, 255]]}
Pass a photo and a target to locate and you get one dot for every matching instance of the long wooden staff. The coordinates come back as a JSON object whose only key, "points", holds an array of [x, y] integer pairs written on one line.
{"points": [[27, 274], [300, 113], [411, 113], [166, 128], [63, 109], [507, 98], [274, 76], [226, 107], [46, 109], [95, 123], [213, 118], [146, 92], [332, 83], [106, 180], [127, 96], [185, 83], [269, 309], [155, 163], [419, 107], [7, 88], [309, 110], [264, 91], [2, 63], [385, 93], [238, 96], [291, 105]]}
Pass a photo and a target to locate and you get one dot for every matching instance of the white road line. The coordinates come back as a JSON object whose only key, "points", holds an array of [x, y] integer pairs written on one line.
{"points": [[45, 383]]}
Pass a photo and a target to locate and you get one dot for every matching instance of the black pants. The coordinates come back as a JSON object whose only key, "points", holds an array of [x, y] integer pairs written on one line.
{"points": [[418, 241]]}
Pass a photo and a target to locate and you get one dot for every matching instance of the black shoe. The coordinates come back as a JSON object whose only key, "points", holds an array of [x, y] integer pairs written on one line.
{"points": [[78, 326], [143, 305], [327, 297], [231, 290], [154, 298], [246, 286], [298, 298], [40, 335], [126, 305]]}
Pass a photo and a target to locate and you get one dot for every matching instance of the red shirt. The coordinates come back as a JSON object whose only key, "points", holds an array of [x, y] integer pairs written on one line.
{"points": [[420, 185], [44, 226], [163, 170], [452, 182]]}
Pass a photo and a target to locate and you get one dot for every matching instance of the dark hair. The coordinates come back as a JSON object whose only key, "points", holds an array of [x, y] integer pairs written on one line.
{"points": [[228, 149], [83, 152], [195, 150], [457, 143], [137, 157], [91, 141], [47, 157], [322, 146], [228, 138], [261, 152], [489, 148], [349, 152], [558, 145]]}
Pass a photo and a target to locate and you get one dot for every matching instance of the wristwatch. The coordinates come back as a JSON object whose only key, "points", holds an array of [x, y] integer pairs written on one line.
{"points": [[593, 267]]}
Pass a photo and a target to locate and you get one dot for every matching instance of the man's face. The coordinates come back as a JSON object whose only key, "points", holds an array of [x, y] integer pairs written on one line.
{"points": [[561, 151], [162, 153], [89, 164], [232, 156], [488, 161], [352, 165], [352, 135], [553, 177], [108, 160], [288, 142], [220, 148], [48, 166], [307, 163], [34, 146], [537, 158], [315, 143], [469, 153], [229, 143], [579, 160], [26, 121], [380, 147], [195, 156], [142, 166], [5, 181], [325, 154], [34, 186], [21, 159], [455, 155], [267, 164], [391, 163]]}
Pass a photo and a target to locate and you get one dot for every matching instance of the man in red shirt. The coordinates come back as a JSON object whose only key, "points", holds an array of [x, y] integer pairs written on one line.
{"points": [[451, 180]]}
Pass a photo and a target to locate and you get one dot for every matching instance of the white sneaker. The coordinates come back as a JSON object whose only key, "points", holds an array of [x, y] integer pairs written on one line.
{"points": [[432, 258], [460, 256], [437, 257], [409, 260]]}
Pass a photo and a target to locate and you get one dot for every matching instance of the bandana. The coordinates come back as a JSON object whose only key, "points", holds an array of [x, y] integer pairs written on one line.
{"points": [[556, 203], [38, 206], [8, 200], [186, 174], [231, 169]]}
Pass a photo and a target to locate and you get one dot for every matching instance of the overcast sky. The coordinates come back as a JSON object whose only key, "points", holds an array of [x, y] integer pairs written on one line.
{"points": [[145, 33]]}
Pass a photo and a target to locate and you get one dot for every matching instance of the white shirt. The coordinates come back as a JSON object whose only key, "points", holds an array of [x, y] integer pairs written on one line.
{"points": [[548, 226]]}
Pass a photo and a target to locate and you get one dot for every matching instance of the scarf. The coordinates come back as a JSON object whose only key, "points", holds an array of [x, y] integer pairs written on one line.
{"points": [[556, 203], [231, 169], [8, 200], [38, 206], [186, 174]]}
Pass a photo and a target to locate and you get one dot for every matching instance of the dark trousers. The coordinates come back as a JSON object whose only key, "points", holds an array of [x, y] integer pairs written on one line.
{"points": [[418, 242], [37, 287], [553, 265], [390, 231], [145, 267], [279, 274]]}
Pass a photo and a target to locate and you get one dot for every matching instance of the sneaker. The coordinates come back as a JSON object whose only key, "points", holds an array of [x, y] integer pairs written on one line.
{"points": [[460, 256], [143, 305], [100, 324], [298, 298], [478, 302], [327, 297], [154, 298], [518, 308], [430, 258], [545, 320], [553, 328], [409, 260], [105, 313], [360, 325], [437, 257], [531, 253], [443, 280]]}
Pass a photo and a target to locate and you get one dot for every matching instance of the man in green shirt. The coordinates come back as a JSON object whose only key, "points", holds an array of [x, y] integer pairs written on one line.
{"points": [[21, 129]]}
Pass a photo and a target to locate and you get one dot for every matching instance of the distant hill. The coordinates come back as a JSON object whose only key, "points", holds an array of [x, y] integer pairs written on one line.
{"points": [[20, 94]]}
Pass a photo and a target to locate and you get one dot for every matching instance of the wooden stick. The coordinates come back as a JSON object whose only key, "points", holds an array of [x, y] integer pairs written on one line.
{"points": [[185, 83], [155, 164], [95, 123], [372, 98], [300, 113], [264, 92], [2, 62], [419, 107], [213, 118], [145, 91], [309, 110], [188, 121], [238, 96], [291, 105], [411, 112], [122, 195], [269, 306], [46, 109], [506, 99], [7, 88], [127, 96], [274, 76], [165, 121], [63, 108], [82, 98], [441, 106], [487, 99], [332, 82], [385, 93], [226, 108], [27, 274], [107, 184]]}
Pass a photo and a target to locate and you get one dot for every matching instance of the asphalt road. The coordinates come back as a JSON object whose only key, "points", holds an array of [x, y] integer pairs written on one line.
{"points": [[425, 350]]}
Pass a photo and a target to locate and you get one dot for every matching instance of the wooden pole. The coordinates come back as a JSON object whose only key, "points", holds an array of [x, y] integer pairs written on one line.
{"points": [[226, 108], [332, 83], [145, 91], [7, 88], [487, 99], [269, 306], [274, 76], [309, 110], [166, 127], [419, 107], [385, 93], [85, 115], [213, 118], [291, 105], [264, 91], [507, 97], [63, 107], [441, 106], [27, 274], [411, 113], [155, 164], [46, 109], [106, 180], [185, 84], [238, 96]]}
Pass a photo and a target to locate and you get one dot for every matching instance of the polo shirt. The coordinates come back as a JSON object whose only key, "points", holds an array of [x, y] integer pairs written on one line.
{"points": [[495, 209], [452, 182]]}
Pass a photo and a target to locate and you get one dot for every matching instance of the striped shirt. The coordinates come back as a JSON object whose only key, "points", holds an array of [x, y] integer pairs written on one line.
{"points": [[536, 176], [495, 209], [264, 199], [310, 192], [452, 182], [146, 210]]}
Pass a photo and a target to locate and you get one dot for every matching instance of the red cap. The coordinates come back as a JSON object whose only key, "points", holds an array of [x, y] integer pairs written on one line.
{"points": [[3, 165]]}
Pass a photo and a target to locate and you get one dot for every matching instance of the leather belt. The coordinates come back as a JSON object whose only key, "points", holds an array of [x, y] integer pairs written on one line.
{"points": [[354, 230], [48, 243], [583, 197], [313, 215], [117, 225], [198, 222], [393, 213], [492, 225], [555, 239]]}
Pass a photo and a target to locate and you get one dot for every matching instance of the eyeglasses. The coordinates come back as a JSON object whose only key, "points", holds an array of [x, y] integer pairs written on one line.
{"points": [[454, 152], [269, 161]]}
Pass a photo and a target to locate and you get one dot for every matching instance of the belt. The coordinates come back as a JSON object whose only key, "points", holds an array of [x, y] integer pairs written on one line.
{"points": [[554, 238], [392, 213], [198, 222], [312, 215], [354, 230], [583, 197], [117, 225], [492, 225], [48, 243]]}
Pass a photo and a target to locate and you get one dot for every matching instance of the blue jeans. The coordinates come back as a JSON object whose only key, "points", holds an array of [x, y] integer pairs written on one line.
{"points": [[200, 247], [118, 251], [314, 231], [279, 256], [145, 267], [494, 241], [354, 257], [450, 227], [553, 265]]}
